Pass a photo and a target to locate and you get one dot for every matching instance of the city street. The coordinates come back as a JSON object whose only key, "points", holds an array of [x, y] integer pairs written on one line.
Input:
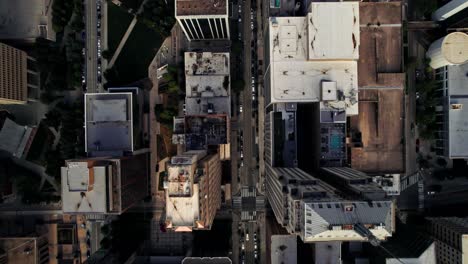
{"points": [[91, 67]]}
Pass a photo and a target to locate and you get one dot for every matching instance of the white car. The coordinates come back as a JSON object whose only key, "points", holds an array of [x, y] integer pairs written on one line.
{"points": [[240, 108], [247, 237], [243, 246], [242, 156]]}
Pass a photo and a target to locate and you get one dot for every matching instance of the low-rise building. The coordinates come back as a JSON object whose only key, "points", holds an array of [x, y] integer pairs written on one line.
{"points": [[24, 250], [16, 140], [193, 191], [283, 249], [108, 124], [104, 185]]}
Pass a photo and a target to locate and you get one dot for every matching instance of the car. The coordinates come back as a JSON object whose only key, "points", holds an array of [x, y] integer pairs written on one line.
{"points": [[242, 163], [433, 189], [99, 16], [253, 97], [253, 88], [240, 19], [183, 108], [243, 246], [240, 9], [417, 145], [247, 237], [255, 246], [251, 26], [240, 108], [99, 79], [242, 156], [255, 236], [83, 51], [255, 255]]}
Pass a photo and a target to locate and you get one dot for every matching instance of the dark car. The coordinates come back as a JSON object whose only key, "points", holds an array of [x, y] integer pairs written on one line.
{"points": [[433, 189]]}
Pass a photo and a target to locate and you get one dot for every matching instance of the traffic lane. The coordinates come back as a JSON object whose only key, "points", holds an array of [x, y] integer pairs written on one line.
{"points": [[91, 45], [247, 103]]}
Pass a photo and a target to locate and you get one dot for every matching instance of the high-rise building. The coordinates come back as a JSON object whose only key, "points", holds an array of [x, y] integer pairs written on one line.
{"points": [[193, 191], [104, 185], [317, 212], [14, 75], [451, 235], [26, 20], [24, 250], [449, 58], [203, 20]]}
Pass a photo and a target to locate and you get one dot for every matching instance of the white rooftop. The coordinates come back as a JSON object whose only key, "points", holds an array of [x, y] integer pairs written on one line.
{"points": [[82, 193], [458, 110], [333, 31], [321, 47], [182, 211]]}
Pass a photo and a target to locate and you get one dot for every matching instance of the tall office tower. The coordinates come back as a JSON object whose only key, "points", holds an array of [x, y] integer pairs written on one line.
{"points": [[104, 185], [24, 250], [449, 58], [451, 235], [13, 75], [193, 191], [203, 20]]}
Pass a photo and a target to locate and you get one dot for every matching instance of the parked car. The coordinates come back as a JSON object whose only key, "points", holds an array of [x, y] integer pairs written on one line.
{"points": [[433, 189], [240, 108]]}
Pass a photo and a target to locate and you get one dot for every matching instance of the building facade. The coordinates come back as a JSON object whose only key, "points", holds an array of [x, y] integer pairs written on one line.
{"points": [[14, 81], [449, 58], [451, 235], [203, 20]]}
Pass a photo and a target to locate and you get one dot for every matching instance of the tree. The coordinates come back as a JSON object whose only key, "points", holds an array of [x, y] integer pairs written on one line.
{"points": [[107, 54], [238, 85], [53, 118]]}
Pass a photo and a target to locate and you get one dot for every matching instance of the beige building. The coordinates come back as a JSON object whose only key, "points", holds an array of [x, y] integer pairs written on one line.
{"points": [[14, 76], [24, 250], [192, 183]]}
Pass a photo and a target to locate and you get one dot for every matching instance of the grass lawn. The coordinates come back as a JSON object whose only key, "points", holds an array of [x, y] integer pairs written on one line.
{"points": [[138, 52], [118, 22]]}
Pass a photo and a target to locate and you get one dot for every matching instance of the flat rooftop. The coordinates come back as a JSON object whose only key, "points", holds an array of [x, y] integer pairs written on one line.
{"points": [[332, 144], [201, 131], [180, 179], [207, 83], [457, 116], [84, 187], [200, 8], [299, 66], [14, 138], [379, 127], [108, 124], [26, 19], [333, 30], [182, 211], [335, 220], [283, 249], [380, 61], [23, 250]]}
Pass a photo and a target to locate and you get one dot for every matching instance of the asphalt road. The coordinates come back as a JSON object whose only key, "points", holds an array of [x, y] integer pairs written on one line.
{"points": [[91, 46]]}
